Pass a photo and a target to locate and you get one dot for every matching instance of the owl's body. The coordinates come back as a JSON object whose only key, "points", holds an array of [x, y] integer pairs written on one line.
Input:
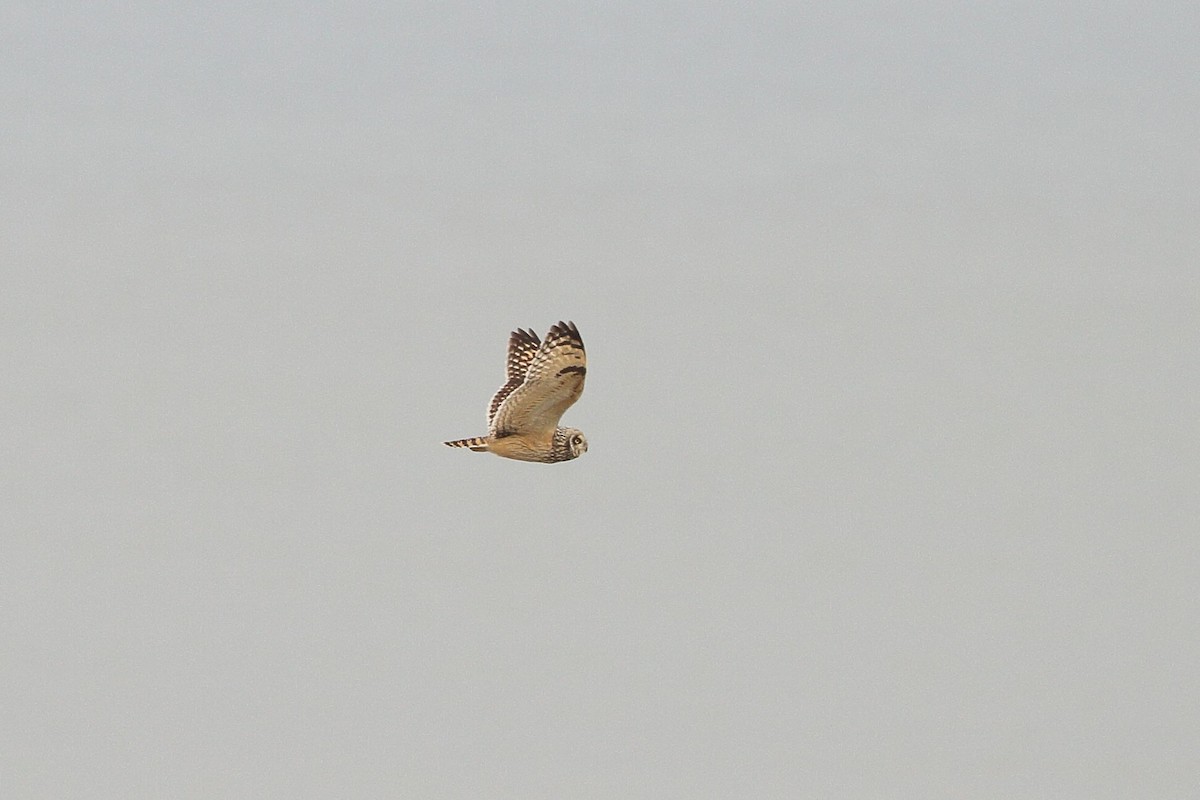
{"points": [[544, 380]]}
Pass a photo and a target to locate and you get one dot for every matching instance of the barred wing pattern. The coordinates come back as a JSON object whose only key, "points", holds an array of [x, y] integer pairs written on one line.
{"points": [[522, 347], [553, 381]]}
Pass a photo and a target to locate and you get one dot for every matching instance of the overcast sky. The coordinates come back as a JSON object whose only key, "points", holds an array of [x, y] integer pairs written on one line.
{"points": [[892, 315]]}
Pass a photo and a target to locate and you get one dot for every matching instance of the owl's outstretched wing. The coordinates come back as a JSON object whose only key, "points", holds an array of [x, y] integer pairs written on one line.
{"points": [[522, 347], [553, 382]]}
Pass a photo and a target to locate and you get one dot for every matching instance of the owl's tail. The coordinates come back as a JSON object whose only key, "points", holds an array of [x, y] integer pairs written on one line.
{"points": [[476, 443]]}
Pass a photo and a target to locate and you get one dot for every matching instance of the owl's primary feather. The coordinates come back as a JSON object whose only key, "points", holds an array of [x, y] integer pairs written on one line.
{"points": [[522, 347]]}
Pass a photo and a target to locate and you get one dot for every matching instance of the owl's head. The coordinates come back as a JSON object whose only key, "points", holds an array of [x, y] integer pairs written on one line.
{"points": [[573, 442]]}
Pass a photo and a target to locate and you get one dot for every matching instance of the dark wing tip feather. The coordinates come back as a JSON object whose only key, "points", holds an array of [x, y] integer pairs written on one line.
{"points": [[565, 330], [522, 336]]}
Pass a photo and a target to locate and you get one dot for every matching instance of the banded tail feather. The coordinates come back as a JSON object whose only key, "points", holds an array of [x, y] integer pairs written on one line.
{"points": [[476, 443]]}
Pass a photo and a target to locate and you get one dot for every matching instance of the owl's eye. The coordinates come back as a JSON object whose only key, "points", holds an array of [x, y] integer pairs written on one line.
{"points": [[576, 439]]}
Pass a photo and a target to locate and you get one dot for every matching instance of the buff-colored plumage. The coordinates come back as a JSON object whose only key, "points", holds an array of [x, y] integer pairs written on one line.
{"points": [[543, 380]]}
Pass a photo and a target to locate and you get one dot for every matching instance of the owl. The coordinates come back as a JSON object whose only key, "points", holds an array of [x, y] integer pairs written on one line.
{"points": [[544, 380]]}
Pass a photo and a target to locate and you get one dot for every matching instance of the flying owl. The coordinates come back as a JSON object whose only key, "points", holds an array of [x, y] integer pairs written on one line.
{"points": [[544, 380]]}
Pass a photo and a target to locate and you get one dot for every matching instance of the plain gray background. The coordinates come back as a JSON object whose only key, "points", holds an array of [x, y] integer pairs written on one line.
{"points": [[892, 318]]}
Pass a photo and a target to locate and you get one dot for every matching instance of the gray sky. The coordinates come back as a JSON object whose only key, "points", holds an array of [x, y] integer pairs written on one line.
{"points": [[892, 319]]}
